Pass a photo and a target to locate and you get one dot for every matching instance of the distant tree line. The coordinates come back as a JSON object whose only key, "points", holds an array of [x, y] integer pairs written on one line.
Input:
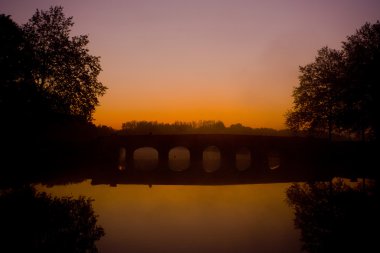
{"points": [[45, 74], [200, 127], [338, 93]]}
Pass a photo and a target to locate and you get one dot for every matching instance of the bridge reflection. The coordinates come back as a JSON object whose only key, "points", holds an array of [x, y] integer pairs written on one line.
{"points": [[198, 176]]}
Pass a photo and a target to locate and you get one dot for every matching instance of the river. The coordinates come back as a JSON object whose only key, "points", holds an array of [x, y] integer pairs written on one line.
{"points": [[191, 218]]}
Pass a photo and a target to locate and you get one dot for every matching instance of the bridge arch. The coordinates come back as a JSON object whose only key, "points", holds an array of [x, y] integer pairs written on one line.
{"points": [[179, 158], [268, 155], [274, 159], [145, 158]]}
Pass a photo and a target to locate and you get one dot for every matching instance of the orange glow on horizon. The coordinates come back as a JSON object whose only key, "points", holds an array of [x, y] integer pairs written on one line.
{"points": [[227, 106], [256, 99], [234, 61], [255, 119]]}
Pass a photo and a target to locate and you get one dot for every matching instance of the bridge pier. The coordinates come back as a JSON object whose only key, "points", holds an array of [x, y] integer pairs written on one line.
{"points": [[196, 158], [228, 159], [163, 159], [129, 162], [259, 163]]}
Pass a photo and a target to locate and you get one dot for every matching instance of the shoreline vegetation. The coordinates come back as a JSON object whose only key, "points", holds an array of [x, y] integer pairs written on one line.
{"points": [[216, 127], [195, 127]]}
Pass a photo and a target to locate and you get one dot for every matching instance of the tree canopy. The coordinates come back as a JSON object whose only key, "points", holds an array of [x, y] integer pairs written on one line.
{"points": [[64, 70], [315, 97], [45, 71], [339, 91], [17, 92], [200, 127]]}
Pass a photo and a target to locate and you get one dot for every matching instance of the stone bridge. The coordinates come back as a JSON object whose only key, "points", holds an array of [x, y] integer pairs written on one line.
{"points": [[295, 155]]}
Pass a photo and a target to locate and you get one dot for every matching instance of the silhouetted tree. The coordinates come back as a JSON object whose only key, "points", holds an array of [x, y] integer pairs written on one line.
{"points": [[200, 127], [362, 80], [339, 91], [317, 98], [15, 60], [37, 222], [18, 94], [239, 128], [64, 71]]}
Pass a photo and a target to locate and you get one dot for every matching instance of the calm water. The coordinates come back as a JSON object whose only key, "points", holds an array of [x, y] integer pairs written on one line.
{"points": [[233, 218], [143, 218]]}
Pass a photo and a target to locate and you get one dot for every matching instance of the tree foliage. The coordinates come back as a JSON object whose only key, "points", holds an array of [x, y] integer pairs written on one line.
{"points": [[200, 127], [362, 94], [64, 70], [17, 92], [315, 98], [339, 91], [46, 73], [14, 58]]}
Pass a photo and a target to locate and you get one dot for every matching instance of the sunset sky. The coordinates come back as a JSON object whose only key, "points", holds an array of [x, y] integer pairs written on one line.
{"points": [[235, 61]]}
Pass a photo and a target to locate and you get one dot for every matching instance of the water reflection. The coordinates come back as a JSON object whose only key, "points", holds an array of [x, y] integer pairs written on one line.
{"points": [[216, 217], [336, 216], [187, 219], [37, 222]]}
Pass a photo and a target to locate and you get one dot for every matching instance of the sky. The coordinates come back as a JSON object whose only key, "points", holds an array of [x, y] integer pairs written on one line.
{"points": [[231, 60]]}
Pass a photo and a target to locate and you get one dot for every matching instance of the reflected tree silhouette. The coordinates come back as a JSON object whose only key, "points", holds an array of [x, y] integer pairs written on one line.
{"points": [[335, 217], [32, 221]]}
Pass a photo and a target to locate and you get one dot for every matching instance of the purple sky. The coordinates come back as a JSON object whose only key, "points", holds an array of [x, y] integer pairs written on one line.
{"points": [[235, 61]]}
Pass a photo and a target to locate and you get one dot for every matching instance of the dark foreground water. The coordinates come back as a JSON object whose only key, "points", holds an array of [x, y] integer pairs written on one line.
{"points": [[207, 208], [176, 218]]}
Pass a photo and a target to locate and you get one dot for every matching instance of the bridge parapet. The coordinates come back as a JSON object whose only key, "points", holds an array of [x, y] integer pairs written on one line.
{"points": [[291, 152]]}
